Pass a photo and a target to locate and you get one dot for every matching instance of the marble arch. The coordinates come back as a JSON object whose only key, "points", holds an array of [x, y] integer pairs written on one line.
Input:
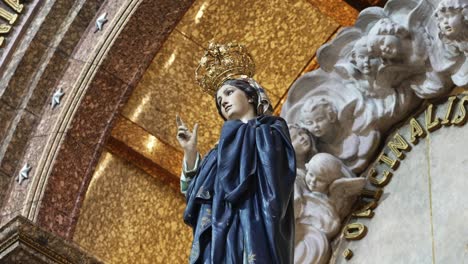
{"points": [[101, 71]]}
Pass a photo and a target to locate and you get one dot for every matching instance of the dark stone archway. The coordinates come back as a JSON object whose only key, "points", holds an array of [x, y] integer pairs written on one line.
{"points": [[101, 72]]}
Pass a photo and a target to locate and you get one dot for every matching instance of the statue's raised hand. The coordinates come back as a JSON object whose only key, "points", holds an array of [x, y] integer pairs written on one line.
{"points": [[187, 139]]}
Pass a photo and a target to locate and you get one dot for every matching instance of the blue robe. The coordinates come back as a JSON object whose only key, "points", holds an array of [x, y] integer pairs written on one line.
{"points": [[240, 203]]}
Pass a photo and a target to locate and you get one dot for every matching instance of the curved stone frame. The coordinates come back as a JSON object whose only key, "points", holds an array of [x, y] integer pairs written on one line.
{"points": [[100, 76]]}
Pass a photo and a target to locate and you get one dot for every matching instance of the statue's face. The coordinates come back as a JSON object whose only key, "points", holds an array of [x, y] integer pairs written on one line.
{"points": [[234, 103], [316, 182], [389, 46], [317, 122], [451, 23], [301, 142], [362, 58]]}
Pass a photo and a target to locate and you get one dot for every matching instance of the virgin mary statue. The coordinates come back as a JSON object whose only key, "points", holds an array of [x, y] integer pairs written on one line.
{"points": [[240, 195]]}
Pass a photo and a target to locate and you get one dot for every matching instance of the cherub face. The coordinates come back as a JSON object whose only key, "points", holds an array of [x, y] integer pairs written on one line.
{"points": [[451, 23], [316, 182], [318, 122], [389, 46], [362, 59], [301, 142]]}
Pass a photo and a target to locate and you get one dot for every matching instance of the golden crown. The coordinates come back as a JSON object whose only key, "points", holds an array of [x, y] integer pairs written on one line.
{"points": [[223, 62]]}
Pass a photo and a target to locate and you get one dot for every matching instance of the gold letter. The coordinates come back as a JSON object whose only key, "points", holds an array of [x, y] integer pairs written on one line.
{"points": [[431, 125], [374, 194], [398, 143], [14, 4], [369, 206], [354, 231], [416, 131], [11, 18], [460, 120], [448, 114], [364, 214], [347, 254], [3, 30], [393, 164], [386, 177]]}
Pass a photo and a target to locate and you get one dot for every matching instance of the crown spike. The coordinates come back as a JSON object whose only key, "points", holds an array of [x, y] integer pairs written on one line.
{"points": [[222, 62]]}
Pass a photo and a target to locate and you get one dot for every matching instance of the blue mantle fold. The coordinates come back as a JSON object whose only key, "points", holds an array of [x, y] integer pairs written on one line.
{"points": [[240, 204]]}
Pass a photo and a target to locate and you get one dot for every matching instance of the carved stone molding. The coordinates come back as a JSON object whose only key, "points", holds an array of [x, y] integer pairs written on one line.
{"points": [[21, 241]]}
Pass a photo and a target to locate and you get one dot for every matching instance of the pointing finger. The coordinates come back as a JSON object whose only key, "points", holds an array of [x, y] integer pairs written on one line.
{"points": [[179, 120], [195, 131]]}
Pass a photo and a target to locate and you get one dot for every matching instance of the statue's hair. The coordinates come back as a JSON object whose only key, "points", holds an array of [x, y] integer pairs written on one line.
{"points": [[454, 6], [315, 103], [313, 145], [385, 26], [451, 5]]}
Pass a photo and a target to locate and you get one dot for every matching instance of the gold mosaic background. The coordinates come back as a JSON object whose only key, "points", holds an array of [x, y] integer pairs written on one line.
{"points": [[129, 216], [282, 36]]}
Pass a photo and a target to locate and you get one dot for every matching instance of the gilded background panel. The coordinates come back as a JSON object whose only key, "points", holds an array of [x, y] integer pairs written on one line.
{"points": [[131, 217]]}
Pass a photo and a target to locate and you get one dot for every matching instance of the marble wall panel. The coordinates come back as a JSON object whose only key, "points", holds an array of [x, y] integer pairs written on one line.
{"points": [[51, 13], [137, 217], [97, 108], [5, 181], [281, 35], [13, 90], [169, 88], [44, 84], [77, 24], [89, 43], [65, 181], [50, 117], [7, 115], [15, 142], [448, 172], [145, 32], [14, 202]]}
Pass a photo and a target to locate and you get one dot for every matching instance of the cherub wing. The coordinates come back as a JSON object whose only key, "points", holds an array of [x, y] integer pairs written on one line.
{"points": [[420, 15], [346, 115], [368, 17], [344, 190], [329, 54]]}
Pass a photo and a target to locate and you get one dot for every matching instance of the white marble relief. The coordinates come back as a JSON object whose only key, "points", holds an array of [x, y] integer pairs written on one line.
{"points": [[331, 190], [371, 76], [449, 40]]}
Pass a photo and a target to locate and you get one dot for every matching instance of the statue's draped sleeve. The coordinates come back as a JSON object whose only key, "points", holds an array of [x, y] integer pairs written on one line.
{"points": [[240, 203], [187, 174]]}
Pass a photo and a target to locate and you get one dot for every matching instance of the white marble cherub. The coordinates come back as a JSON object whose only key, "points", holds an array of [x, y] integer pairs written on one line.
{"points": [[364, 74], [389, 41], [332, 190], [396, 45], [305, 148], [329, 176], [334, 132], [363, 60], [452, 22]]}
